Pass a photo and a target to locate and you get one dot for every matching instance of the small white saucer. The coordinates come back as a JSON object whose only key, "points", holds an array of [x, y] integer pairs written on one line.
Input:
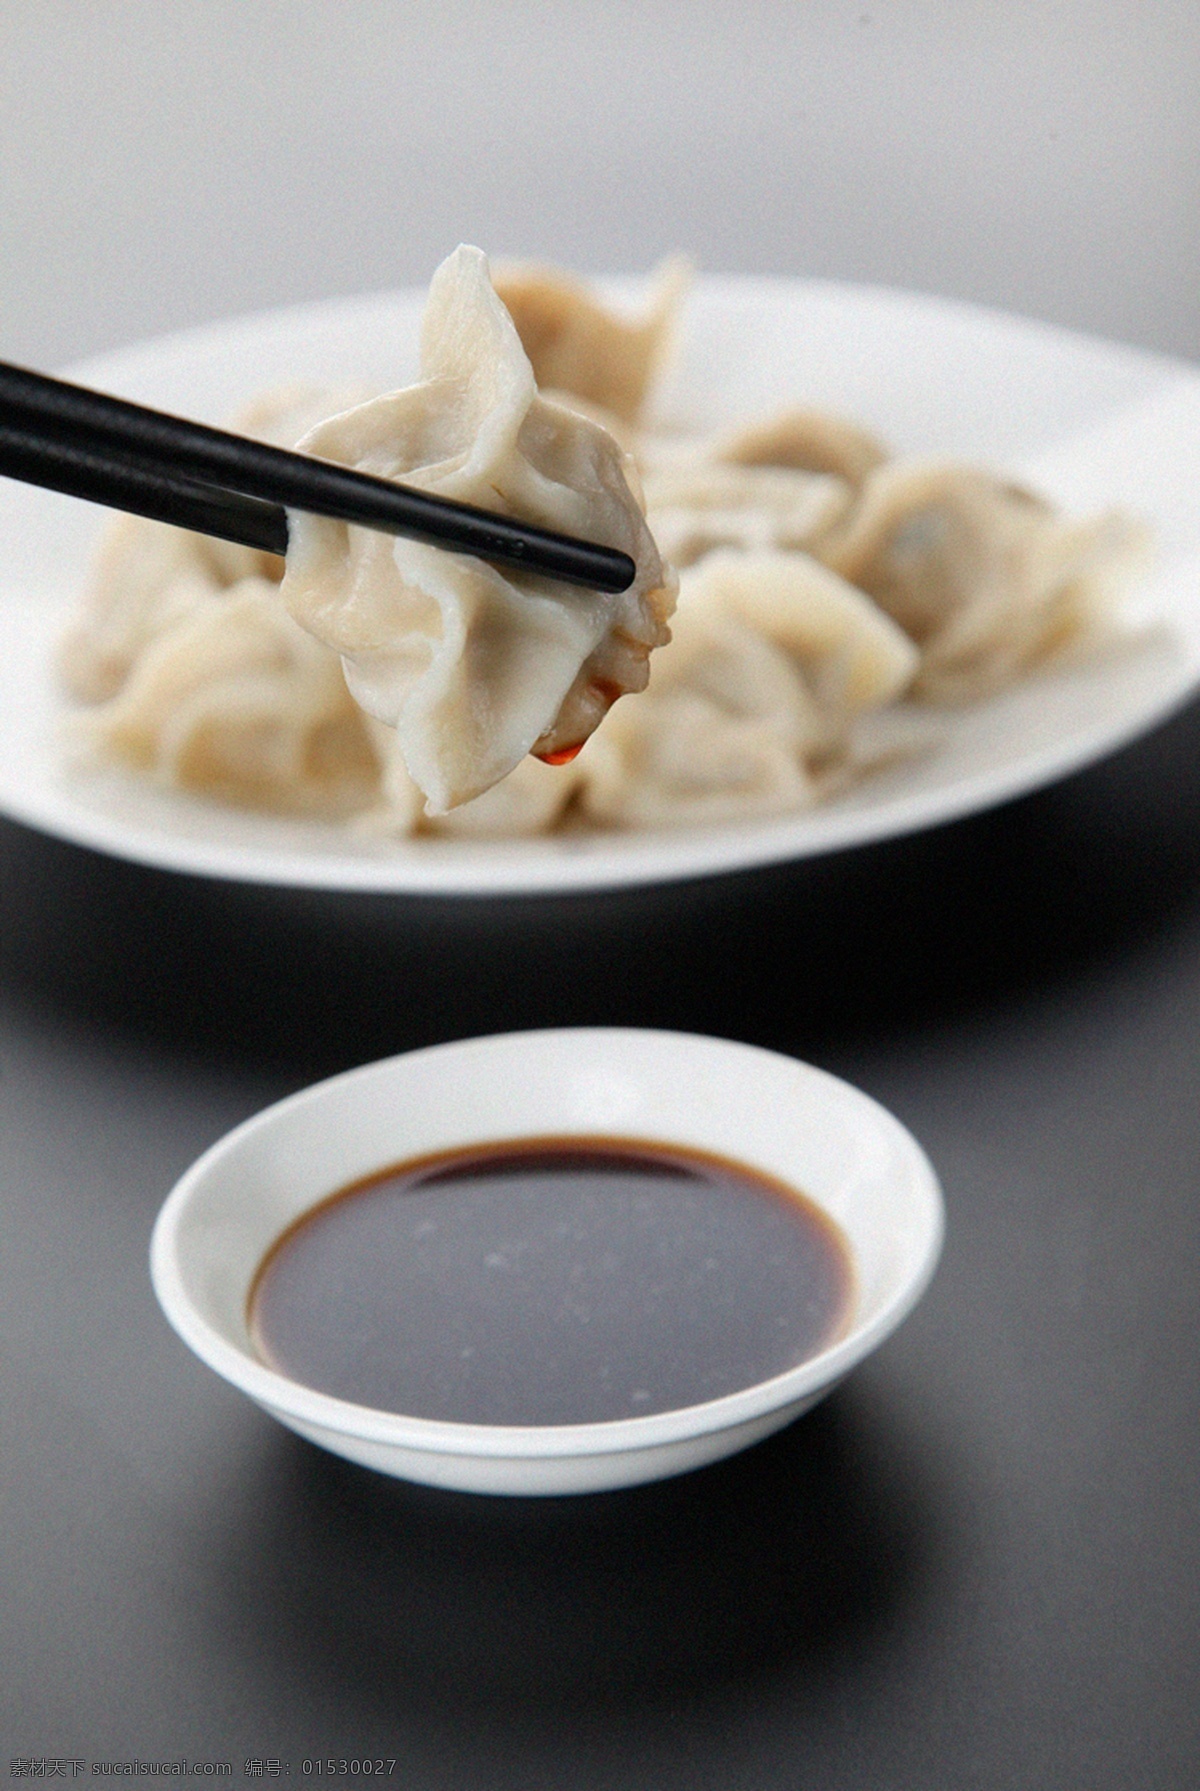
{"points": [[783, 1118]]}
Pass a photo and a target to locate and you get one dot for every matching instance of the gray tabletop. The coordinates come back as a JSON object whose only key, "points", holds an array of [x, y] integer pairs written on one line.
{"points": [[976, 1564]]}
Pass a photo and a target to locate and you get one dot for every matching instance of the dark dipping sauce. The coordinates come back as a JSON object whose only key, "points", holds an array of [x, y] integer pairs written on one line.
{"points": [[551, 1281]]}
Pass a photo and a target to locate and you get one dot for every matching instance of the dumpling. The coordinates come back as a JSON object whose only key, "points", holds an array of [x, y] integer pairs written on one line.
{"points": [[724, 734], [699, 765], [531, 799], [576, 343], [696, 503], [396, 810], [772, 663], [624, 433], [785, 482], [808, 440], [985, 578], [853, 657], [472, 665], [148, 576], [238, 702], [280, 416]]}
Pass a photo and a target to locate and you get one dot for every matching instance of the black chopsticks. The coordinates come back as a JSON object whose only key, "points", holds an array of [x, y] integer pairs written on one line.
{"points": [[103, 478], [113, 452]]}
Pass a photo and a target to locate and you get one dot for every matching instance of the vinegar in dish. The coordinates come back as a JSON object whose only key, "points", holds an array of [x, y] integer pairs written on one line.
{"points": [[549, 1281]]}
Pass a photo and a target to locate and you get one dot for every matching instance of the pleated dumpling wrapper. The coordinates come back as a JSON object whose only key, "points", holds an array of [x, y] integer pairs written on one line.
{"points": [[149, 577], [755, 703], [237, 702], [472, 665], [577, 344], [988, 579]]}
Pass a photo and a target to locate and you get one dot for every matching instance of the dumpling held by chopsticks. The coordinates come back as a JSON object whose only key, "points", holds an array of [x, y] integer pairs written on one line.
{"points": [[474, 666]]}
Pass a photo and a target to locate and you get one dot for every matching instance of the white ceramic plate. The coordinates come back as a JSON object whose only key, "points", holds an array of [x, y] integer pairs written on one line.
{"points": [[783, 1118], [1089, 423]]}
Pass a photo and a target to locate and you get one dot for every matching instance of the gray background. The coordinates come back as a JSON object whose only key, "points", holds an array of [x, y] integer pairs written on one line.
{"points": [[164, 162]]}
